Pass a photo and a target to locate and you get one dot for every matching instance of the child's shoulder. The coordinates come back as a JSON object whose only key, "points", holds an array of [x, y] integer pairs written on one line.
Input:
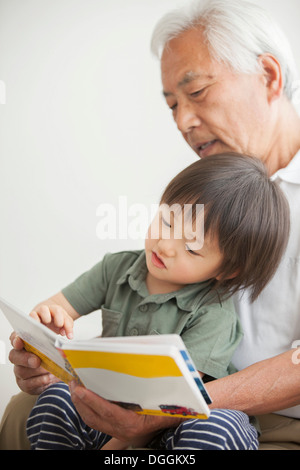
{"points": [[219, 305], [123, 256], [226, 305], [121, 261]]}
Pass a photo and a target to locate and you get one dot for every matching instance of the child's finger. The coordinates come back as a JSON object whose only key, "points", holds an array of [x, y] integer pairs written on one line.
{"points": [[58, 315], [56, 318], [68, 326], [35, 316], [44, 313], [62, 320]]}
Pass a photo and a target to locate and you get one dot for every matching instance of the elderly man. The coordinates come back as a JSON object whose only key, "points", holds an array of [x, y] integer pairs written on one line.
{"points": [[228, 77]]}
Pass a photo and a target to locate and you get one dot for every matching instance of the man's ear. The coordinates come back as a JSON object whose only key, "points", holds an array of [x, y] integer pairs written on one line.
{"points": [[272, 74]]}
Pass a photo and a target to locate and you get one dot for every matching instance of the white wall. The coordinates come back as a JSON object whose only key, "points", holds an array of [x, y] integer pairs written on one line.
{"points": [[84, 122]]}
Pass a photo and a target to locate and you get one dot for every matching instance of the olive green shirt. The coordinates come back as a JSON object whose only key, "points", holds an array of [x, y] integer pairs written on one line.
{"points": [[209, 327]]}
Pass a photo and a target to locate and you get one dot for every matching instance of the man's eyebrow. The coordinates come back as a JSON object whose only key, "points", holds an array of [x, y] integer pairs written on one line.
{"points": [[188, 78]]}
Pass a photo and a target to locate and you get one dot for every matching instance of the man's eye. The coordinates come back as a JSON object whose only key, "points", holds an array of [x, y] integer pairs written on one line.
{"points": [[197, 93], [172, 108]]}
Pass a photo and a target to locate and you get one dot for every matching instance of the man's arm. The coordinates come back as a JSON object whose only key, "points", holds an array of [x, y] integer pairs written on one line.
{"points": [[30, 377], [264, 387]]}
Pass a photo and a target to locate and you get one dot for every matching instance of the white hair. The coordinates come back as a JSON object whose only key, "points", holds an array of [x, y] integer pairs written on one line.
{"points": [[237, 32]]}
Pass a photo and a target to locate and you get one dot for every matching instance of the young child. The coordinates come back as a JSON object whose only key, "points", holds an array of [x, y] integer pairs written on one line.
{"points": [[182, 282]]}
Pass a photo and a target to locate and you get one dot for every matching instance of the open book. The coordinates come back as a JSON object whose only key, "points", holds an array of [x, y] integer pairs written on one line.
{"points": [[147, 374]]}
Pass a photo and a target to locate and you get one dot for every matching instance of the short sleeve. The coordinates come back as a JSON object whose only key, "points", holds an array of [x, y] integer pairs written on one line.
{"points": [[87, 293], [211, 338]]}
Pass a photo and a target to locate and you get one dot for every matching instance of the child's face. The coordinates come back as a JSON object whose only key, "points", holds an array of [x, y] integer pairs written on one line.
{"points": [[176, 260]]}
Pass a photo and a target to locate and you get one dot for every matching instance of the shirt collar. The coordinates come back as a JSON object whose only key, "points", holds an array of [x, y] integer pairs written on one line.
{"points": [[188, 298], [291, 173]]}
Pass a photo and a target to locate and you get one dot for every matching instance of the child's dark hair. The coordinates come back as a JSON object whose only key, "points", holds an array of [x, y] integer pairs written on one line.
{"points": [[245, 209]]}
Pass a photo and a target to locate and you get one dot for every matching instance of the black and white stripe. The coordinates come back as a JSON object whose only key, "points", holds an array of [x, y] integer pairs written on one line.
{"points": [[224, 430], [55, 424]]}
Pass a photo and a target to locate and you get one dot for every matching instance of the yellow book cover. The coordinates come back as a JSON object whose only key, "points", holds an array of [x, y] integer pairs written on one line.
{"points": [[148, 374]]}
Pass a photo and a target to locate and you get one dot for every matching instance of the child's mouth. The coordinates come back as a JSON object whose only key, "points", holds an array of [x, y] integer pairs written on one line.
{"points": [[157, 261]]}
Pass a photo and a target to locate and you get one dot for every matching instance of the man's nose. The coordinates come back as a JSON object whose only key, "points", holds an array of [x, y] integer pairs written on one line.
{"points": [[186, 117]]}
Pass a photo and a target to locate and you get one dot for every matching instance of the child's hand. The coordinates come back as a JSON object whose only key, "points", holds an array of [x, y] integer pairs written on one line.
{"points": [[55, 318]]}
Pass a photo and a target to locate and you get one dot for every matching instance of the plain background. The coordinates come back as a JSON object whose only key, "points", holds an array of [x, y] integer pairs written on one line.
{"points": [[84, 123]]}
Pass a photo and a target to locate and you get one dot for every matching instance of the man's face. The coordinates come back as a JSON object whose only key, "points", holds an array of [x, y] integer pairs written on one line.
{"points": [[216, 109]]}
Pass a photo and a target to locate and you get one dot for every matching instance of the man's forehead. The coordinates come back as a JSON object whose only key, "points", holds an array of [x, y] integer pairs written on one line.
{"points": [[190, 77], [186, 58]]}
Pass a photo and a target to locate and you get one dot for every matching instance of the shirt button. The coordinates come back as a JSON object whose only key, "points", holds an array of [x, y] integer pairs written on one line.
{"points": [[134, 332], [143, 308]]}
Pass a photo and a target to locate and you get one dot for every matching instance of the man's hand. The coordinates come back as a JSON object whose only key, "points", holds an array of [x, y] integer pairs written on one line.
{"points": [[111, 419], [30, 376]]}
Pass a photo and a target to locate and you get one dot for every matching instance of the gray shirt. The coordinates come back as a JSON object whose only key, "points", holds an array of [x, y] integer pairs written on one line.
{"points": [[208, 325]]}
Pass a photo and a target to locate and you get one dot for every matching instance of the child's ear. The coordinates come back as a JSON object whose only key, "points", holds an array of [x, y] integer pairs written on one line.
{"points": [[230, 276]]}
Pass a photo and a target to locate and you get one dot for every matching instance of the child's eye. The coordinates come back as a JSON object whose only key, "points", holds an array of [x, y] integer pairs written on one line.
{"points": [[191, 251], [165, 222]]}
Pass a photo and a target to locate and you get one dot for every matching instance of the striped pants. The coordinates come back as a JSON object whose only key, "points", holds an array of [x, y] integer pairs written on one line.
{"points": [[55, 424]]}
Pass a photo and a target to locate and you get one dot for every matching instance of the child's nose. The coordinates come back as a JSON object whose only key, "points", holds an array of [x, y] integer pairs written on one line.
{"points": [[167, 247]]}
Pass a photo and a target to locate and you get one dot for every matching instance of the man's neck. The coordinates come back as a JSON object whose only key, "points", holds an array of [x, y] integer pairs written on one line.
{"points": [[286, 140]]}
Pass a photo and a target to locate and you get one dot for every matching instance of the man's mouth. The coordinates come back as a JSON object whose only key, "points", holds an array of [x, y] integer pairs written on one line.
{"points": [[157, 261], [205, 149]]}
